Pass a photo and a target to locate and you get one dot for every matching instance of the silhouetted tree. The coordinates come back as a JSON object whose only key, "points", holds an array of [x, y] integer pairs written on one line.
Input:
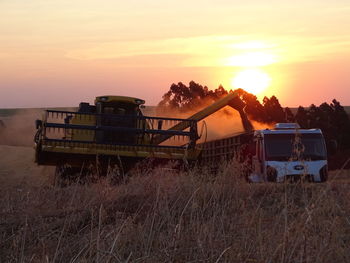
{"points": [[217, 93], [253, 108], [341, 123], [314, 116], [289, 116], [325, 121], [301, 117], [184, 97], [273, 110]]}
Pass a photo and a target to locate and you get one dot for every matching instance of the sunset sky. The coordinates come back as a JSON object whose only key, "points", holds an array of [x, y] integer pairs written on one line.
{"points": [[58, 53]]}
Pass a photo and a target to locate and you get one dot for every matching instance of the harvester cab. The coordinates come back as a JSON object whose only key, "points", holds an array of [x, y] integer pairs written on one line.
{"points": [[109, 111]]}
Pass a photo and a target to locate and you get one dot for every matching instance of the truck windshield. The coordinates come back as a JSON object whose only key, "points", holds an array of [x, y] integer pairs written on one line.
{"points": [[283, 147]]}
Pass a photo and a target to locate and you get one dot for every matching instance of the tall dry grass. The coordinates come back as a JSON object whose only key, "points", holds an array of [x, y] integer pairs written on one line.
{"points": [[163, 216]]}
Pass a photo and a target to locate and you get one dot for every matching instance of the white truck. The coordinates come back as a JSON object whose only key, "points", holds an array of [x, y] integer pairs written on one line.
{"points": [[288, 153], [285, 153]]}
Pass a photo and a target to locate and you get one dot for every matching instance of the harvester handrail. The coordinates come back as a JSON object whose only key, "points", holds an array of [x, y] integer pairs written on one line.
{"points": [[111, 127], [141, 117], [116, 129]]}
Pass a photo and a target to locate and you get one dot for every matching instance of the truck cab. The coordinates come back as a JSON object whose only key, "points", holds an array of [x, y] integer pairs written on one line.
{"points": [[288, 153]]}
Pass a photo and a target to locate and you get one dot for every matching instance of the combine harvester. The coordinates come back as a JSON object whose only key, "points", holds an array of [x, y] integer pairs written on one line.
{"points": [[114, 132]]}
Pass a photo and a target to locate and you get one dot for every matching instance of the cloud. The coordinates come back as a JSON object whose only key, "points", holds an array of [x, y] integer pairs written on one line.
{"points": [[216, 50]]}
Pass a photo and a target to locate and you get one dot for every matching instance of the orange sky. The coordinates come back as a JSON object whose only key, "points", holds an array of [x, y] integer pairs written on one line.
{"points": [[58, 53]]}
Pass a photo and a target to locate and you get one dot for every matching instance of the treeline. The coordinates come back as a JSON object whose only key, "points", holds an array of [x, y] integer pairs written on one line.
{"points": [[331, 118], [184, 98]]}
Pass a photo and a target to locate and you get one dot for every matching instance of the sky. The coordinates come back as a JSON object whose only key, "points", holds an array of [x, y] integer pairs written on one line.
{"points": [[59, 53]]}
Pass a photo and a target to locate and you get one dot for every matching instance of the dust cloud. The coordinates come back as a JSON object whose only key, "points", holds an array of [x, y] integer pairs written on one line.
{"points": [[19, 129], [17, 168], [223, 123]]}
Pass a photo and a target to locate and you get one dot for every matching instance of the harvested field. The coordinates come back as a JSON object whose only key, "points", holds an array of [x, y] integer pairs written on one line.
{"points": [[162, 216], [17, 167]]}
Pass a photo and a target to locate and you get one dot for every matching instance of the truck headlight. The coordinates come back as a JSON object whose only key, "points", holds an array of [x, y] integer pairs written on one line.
{"points": [[324, 173]]}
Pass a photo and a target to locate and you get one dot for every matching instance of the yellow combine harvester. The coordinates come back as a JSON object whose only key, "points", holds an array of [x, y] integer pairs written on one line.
{"points": [[114, 131]]}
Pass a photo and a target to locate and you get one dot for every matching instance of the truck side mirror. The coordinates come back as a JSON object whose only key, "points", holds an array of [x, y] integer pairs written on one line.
{"points": [[332, 147]]}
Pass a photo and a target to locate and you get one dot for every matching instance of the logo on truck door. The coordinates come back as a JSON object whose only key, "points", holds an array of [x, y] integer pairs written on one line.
{"points": [[299, 167]]}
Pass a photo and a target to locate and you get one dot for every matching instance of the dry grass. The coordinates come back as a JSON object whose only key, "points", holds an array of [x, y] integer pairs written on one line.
{"points": [[162, 216]]}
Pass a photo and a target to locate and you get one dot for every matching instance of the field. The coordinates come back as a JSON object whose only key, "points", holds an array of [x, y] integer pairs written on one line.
{"points": [[162, 215]]}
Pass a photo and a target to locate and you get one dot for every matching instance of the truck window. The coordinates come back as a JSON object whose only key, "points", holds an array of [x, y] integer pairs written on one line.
{"points": [[283, 147]]}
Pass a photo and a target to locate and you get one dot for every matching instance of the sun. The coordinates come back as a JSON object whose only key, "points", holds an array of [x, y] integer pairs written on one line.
{"points": [[251, 80]]}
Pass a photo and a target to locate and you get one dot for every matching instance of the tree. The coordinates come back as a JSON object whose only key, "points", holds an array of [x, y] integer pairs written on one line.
{"points": [[314, 116], [253, 108], [302, 118], [289, 116], [326, 121], [184, 97], [273, 110], [341, 124]]}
